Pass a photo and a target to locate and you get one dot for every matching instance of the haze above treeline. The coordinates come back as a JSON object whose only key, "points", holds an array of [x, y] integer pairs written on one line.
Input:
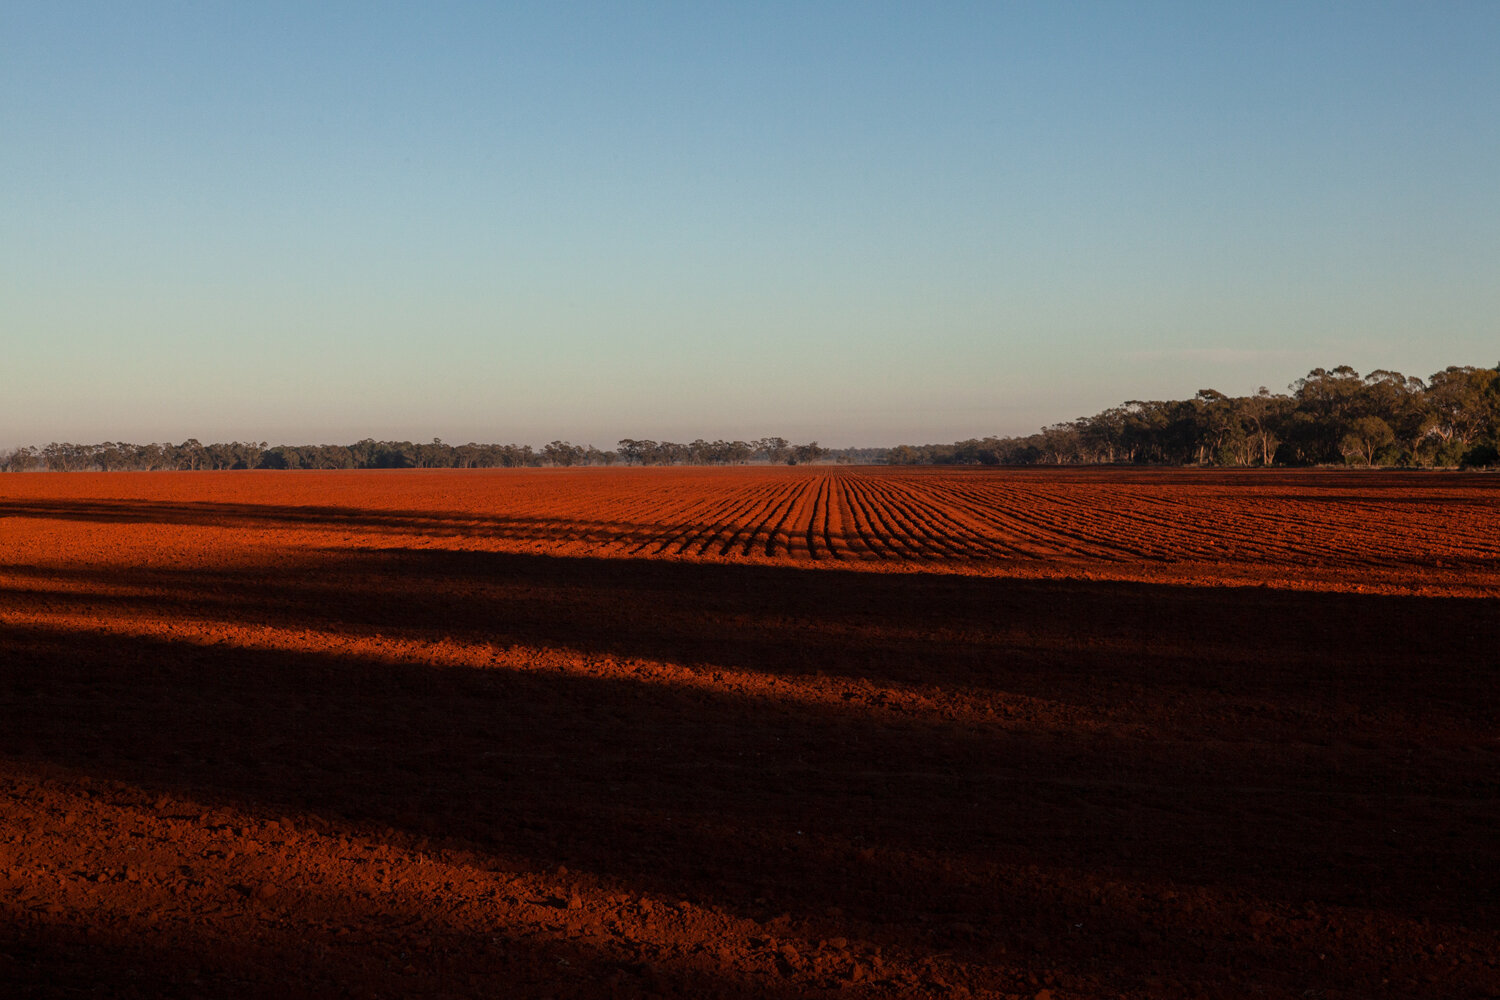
{"points": [[1330, 417]]}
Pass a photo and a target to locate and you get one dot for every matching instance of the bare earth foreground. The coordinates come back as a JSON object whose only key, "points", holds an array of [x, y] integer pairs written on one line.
{"points": [[750, 732]]}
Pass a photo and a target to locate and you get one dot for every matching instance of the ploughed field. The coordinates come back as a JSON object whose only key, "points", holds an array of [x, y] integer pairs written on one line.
{"points": [[750, 732]]}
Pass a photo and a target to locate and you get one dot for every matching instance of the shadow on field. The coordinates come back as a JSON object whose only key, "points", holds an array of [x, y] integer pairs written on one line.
{"points": [[53, 961], [1102, 646], [1268, 748]]}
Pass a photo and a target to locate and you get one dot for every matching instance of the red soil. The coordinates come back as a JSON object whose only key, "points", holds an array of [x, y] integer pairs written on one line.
{"points": [[785, 732]]}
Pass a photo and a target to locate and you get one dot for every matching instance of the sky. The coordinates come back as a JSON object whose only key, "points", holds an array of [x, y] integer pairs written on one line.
{"points": [[863, 223]]}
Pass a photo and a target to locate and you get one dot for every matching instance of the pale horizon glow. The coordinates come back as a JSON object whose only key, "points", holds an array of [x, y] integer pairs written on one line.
{"points": [[864, 224]]}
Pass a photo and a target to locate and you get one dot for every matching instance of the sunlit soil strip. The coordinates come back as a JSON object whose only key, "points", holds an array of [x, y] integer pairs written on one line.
{"points": [[1347, 528], [923, 522], [1442, 576], [1326, 535], [672, 518], [999, 525], [106, 860], [991, 709], [877, 542], [952, 519], [742, 534], [697, 539], [1026, 518]]}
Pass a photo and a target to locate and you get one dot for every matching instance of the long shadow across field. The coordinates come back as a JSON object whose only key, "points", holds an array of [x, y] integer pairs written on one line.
{"points": [[1121, 649], [130, 964], [1268, 748]]}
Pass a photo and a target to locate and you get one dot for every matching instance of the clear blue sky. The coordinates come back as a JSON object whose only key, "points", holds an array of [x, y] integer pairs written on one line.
{"points": [[864, 223]]}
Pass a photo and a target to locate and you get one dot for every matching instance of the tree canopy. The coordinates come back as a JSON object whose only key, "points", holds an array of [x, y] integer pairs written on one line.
{"points": [[1330, 416], [113, 456]]}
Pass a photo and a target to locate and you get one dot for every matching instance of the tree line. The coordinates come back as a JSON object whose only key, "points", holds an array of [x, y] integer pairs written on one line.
{"points": [[113, 456], [1330, 417]]}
